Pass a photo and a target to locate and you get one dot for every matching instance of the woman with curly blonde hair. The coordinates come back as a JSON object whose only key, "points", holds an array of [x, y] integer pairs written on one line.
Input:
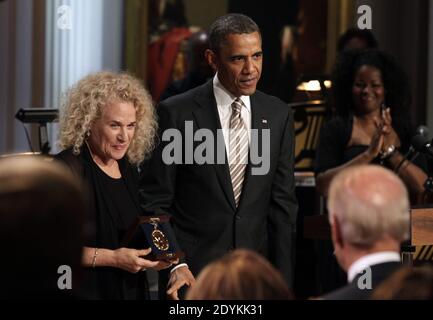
{"points": [[107, 128], [84, 104]]}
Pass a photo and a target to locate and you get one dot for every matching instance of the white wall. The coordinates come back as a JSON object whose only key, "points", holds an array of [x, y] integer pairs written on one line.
{"points": [[4, 84], [16, 20]]}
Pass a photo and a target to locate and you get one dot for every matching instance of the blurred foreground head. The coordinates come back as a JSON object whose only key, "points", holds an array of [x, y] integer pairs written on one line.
{"points": [[41, 227], [240, 275], [407, 284]]}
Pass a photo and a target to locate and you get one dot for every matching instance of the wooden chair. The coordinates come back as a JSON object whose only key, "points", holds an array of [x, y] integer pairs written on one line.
{"points": [[309, 117]]}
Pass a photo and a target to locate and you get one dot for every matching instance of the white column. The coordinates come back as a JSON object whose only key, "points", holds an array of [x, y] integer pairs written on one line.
{"points": [[79, 46]]}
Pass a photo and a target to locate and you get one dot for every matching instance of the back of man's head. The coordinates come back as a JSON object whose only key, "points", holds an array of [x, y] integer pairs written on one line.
{"points": [[370, 204], [41, 227], [232, 23], [195, 54]]}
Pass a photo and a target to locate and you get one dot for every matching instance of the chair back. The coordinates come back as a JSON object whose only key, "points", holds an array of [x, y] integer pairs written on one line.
{"points": [[309, 117]]}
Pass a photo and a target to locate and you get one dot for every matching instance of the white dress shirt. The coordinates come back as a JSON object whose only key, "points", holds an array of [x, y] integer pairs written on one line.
{"points": [[369, 260], [224, 100]]}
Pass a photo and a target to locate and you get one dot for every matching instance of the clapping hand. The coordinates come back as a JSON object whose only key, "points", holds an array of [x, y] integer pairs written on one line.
{"points": [[377, 140], [390, 136]]}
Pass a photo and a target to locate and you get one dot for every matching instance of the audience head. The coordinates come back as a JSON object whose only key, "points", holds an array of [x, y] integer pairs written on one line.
{"points": [[355, 38], [195, 49], [364, 81], [240, 275], [368, 211], [41, 227], [407, 284], [236, 53], [113, 113]]}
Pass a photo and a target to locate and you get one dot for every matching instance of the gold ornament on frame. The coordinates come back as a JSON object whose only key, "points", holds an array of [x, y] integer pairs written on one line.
{"points": [[158, 237]]}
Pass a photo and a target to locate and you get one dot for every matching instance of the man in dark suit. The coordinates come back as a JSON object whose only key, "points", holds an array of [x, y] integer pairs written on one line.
{"points": [[227, 202], [369, 215]]}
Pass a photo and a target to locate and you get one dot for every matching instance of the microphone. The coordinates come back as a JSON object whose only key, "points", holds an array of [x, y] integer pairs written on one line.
{"points": [[418, 145], [422, 131], [422, 144]]}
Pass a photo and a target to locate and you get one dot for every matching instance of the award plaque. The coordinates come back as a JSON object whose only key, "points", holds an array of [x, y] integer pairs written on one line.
{"points": [[154, 232]]}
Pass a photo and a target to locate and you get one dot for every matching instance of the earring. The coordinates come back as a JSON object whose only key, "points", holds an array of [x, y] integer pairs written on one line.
{"points": [[88, 133]]}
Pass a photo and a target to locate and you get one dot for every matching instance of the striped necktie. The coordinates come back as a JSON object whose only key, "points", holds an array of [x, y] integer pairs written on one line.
{"points": [[238, 149]]}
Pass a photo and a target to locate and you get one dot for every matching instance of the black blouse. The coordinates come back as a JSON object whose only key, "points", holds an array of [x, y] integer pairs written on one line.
{"points": [[124, 209]]}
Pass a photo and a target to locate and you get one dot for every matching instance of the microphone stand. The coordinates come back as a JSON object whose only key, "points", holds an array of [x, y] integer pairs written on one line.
{"points": [[44, 144], [406, 157], [428, 184]]}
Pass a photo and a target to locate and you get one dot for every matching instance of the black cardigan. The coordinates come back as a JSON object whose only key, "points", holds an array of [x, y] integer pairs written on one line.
{"points": [[105, 282]]}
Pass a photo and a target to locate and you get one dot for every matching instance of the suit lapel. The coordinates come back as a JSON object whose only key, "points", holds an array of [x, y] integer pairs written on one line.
{"points": [[207, 117]]}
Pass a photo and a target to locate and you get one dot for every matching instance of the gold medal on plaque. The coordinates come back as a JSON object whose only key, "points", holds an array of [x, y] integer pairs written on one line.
{"points": [[158, 238], [154, 231]]}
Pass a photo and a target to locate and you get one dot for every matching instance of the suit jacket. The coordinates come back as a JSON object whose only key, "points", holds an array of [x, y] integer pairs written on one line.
{"points": [[205, 220], [379, 273]]}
